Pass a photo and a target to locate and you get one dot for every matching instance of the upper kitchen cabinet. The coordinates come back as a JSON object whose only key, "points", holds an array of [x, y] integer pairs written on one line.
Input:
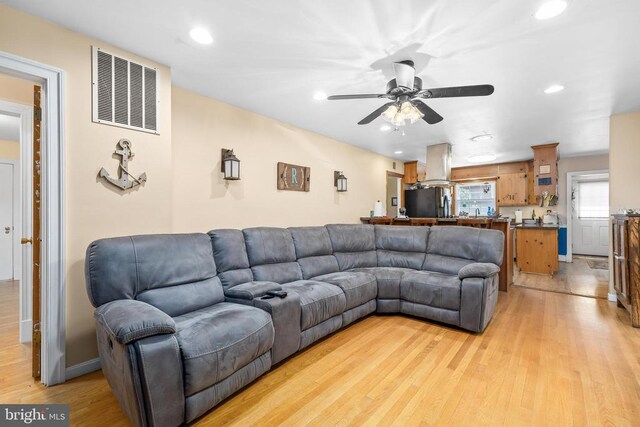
{"points": [[414, 171], [545, 168], [512, 187]]}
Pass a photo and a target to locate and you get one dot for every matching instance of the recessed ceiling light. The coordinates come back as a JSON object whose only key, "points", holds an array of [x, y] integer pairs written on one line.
{"points": [[551, 9], [554, 89], [201, 35], [397, 152], [319, 96], [484, 137], [482, 158], [385, 128]]}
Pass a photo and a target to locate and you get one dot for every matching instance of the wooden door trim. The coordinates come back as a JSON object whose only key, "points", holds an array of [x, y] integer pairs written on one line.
{"points": [[394, 174], [53, 261]]}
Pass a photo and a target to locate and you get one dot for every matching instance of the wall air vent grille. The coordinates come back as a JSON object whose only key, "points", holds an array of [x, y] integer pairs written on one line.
{"points": [[125, 93]]}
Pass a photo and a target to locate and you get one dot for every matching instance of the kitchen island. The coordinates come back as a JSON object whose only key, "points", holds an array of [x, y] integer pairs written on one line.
{"points": [[537, 248], [495, 223]]}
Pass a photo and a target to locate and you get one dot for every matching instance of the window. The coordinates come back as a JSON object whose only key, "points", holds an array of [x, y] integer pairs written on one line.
{"points": [[593, 199], [476, 195]]}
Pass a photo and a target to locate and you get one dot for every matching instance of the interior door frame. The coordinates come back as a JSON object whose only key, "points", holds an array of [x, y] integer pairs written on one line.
{"points": [[23, 214], [52, 80], [569, 213]]}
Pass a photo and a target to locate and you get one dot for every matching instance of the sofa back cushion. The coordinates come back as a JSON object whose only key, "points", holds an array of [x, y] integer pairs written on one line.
{"points": [[354, 245], [451, 248], [313, 251], [230, 254], [175, 273], [271, 254], [403, 247]]}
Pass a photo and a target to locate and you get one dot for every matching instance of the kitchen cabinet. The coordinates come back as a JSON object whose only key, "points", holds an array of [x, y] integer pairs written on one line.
{"points": [[512, 189], [626, 264], [545, 166], [414, 171], [537, 249], [472, 173], [531, 194]]}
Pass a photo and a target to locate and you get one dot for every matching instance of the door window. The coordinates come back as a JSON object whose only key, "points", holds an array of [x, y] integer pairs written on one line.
{"points": [[593, 199]]}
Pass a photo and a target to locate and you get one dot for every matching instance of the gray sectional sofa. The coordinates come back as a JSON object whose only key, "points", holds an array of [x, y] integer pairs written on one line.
{"points": [[183, 322]]}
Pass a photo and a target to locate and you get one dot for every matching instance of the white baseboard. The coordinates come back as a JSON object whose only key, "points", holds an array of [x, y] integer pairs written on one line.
{"points": [[82, 368], [562, 258], [25, 331], [612, 297]]}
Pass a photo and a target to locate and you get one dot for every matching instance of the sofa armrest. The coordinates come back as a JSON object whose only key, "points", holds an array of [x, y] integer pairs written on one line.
{"points": [[131, 320], [481, 270], [251, 290]]}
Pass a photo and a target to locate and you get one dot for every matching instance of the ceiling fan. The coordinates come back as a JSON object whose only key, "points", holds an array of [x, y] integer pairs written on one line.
{"points": [[405, 93]]}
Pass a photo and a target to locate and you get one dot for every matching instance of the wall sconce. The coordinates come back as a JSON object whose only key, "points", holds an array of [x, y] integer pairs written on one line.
{"points": [[230, 165], [339, 181]]}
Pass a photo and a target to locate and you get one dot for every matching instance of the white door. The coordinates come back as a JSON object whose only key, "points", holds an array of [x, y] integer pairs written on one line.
{"points": [[6, 221], [590, 226]]}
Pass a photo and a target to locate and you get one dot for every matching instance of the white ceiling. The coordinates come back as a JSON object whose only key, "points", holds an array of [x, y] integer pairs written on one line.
{"points": [[272, 56], [9, 128]]}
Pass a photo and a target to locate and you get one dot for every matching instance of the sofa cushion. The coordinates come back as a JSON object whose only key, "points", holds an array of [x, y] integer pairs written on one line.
{"points": [[388, 279], [219, 340], [432, 289], [358, 288], [269, 245], [353, 245], [125, 267], [475, 244], [319, 301], [314, 251], [403, 247], [311, 241], [251, 290], [230, 253], [271, 254]]}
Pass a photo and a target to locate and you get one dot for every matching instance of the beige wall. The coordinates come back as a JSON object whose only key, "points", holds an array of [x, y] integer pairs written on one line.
{"points": [[16, 90], [203, 200], [9, 150], [190, 167], [93, 210], [624, 156]]}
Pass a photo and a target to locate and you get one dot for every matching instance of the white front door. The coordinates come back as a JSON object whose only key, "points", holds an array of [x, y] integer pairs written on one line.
{"points": [[6, 221], [590, 222]]}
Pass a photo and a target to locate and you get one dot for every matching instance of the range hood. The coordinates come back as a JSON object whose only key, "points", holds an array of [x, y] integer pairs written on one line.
{"points": [[438, 166]]}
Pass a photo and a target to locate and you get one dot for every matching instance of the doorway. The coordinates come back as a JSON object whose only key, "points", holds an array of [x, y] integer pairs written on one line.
{"points": [[43, 117], [394, 194], [590, 214]]}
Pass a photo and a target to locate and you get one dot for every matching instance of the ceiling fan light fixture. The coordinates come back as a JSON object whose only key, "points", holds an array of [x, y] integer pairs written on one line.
{"points": [[398, 119], [482, 158], [410, 112], [389, 114], [550, 9]]}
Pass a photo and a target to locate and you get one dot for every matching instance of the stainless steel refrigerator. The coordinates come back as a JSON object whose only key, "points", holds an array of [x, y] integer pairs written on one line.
{"points": [[433, 202]]}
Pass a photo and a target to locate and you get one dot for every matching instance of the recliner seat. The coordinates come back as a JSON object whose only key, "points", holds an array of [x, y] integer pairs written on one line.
{"points": [[184, 319]]}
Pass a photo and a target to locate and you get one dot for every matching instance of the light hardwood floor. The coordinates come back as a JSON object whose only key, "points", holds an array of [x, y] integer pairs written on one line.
{"points": [[545, 359], [575, 278]]}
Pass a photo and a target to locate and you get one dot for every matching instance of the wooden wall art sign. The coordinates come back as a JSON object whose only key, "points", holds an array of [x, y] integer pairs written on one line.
{"points": [[125, 180], [293, 177]]}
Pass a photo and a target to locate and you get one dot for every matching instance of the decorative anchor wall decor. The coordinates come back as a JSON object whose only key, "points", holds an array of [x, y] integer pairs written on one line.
{"points": [[125, 180]]}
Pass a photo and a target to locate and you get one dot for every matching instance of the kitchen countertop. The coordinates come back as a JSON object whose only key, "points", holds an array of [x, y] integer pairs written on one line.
{"points": [[539, 226]]}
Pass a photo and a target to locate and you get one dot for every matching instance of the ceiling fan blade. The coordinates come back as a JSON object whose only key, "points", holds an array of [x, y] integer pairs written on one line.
{"points": [[455, 92], [371, 117], [405, 73], [362, 96], [430, 116]]}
